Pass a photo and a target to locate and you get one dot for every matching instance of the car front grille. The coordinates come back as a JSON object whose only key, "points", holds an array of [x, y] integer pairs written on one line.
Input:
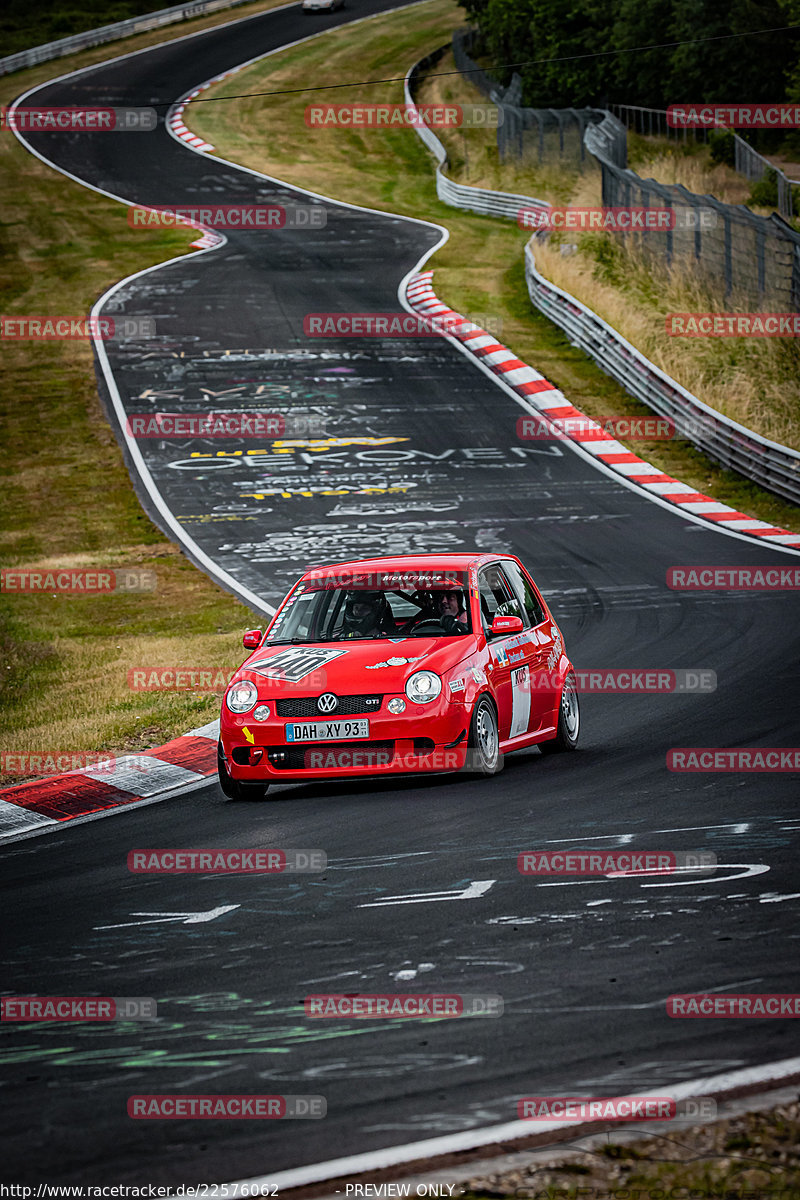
{"points": [[331, 755], [348, 706]]}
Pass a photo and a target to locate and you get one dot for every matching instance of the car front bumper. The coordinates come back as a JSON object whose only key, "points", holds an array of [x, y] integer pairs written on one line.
{"points": [[423, 741]]}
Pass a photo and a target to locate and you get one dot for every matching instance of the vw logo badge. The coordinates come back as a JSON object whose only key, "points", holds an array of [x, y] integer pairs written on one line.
{"points": [[327, 703]]}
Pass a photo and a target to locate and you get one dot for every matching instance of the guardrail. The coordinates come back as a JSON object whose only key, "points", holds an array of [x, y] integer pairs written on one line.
{"points": [[460, 195], [767, 463], [111, 33]]}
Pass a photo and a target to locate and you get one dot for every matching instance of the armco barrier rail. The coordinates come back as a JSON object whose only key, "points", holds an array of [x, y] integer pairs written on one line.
{"points": [[111, 33], [459, 195], [769, 464]]}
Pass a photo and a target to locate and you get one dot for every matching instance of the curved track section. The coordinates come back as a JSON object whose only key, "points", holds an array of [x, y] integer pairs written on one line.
{"points": [[422, 455]]}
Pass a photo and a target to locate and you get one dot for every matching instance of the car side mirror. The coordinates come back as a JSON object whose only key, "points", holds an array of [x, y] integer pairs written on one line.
{"points": [[504, 625], [252, 639]]}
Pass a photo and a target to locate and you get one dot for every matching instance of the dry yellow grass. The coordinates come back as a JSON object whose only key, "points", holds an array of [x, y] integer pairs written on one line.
{"points": [[755, 381]]}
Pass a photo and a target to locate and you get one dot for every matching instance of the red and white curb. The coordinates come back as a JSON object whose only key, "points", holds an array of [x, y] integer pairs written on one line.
{"points": [[176, 123], [177, 127], [555, 407], [191, 758]]}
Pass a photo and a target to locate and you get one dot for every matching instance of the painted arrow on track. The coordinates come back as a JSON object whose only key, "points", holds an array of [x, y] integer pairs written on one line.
{"points": [[478, 887], [186, 918]]}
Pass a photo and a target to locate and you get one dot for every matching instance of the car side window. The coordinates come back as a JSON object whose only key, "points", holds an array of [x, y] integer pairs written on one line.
{"points": [[497, 597], [523, 589]]}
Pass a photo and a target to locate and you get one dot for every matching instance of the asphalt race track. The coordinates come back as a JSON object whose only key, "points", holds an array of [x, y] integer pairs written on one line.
{"points": [[584, 967]]}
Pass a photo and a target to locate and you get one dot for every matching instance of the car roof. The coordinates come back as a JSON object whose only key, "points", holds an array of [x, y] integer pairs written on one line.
{"points": [[401, 562]]}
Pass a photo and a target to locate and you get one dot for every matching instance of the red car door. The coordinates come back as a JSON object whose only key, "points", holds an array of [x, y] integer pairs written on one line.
{"points": [[513, 658], [544, 652]]}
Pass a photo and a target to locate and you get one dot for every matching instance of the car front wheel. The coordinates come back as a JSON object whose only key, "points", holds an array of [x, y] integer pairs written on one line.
{"points": [[483, 754], [235, 790], [569, 720]]}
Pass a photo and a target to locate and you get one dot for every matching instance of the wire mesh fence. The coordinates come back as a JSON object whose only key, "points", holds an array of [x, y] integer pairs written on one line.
{"points": [[747, 161], [753, 261], [530, 135], [749, 261]]}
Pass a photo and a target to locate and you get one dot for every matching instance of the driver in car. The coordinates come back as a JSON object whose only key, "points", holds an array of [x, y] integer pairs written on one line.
{"points": [[366, 614], [453, 612]]}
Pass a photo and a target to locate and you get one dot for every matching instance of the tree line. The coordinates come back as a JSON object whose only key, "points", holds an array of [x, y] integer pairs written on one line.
{"points": [[574, 36]]}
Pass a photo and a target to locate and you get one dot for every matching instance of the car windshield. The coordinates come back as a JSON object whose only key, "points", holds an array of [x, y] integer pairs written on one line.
{"points": [[319, 613]]}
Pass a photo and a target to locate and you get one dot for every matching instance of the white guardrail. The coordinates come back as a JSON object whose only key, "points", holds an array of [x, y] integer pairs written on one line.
{"points": [[769, 464], [111, 33], [459, 195]]}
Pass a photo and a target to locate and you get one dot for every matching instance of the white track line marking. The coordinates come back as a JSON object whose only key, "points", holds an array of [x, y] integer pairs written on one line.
{"points": [[433, 1148]]}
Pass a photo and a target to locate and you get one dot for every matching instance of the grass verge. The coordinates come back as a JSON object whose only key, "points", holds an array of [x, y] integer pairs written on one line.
{"points": [[480, 269], [68, 499], [753, 1156]]}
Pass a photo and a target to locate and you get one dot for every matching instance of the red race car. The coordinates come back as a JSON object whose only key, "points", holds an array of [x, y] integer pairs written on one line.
{"points": [[425, 662]]}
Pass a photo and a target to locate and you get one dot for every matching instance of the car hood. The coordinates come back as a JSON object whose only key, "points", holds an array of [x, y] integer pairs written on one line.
{"points": [[350, 667]]}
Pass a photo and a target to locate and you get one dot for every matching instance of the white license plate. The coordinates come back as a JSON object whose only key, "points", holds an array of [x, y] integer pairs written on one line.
{"points": [[326, 731]]}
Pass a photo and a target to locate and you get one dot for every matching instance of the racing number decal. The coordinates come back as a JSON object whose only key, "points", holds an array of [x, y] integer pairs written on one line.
{"points": [[294, 664], [520, 701]]}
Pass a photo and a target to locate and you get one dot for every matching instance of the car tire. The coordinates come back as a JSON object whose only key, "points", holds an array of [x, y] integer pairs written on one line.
{"points": [[483, 748], [233, 789], [569, 720]]}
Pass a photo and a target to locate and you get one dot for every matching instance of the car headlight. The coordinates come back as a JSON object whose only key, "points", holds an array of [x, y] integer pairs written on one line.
{"points": [[241, 696], [261, 712], [423, 686]]}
